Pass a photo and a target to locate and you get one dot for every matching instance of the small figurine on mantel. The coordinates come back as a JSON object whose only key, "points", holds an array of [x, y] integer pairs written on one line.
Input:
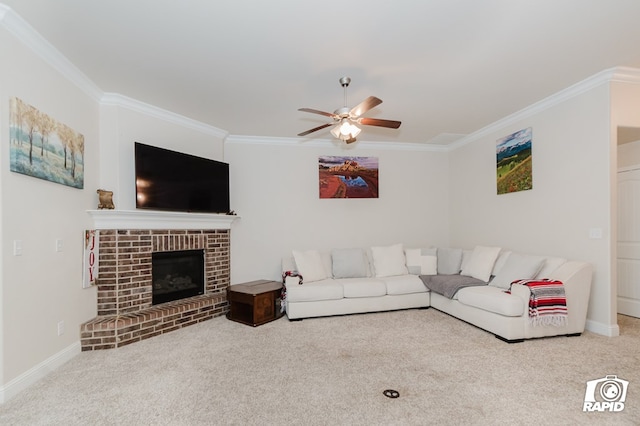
{"points": [[105, 199]]}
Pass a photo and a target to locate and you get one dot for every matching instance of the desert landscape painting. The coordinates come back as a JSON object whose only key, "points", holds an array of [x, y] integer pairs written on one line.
{"points": [[514, 170], [348, 177], [45, 148]]}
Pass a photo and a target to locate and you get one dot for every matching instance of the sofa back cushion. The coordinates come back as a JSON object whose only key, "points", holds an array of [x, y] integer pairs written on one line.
{"points": [[517, 267], [550, 265], [449, 260]]}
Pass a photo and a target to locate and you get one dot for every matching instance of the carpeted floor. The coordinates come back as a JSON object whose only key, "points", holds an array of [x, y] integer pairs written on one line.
{"points": [[334, 371]]}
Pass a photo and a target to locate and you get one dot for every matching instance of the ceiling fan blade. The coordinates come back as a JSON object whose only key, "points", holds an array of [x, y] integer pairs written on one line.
{"points": [[365, 106], [315, 111], [315, 129], [392, 124]]}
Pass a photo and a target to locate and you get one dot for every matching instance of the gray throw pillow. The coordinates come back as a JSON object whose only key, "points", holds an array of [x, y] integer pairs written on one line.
{"points": [[349, 263], [449, 261]]}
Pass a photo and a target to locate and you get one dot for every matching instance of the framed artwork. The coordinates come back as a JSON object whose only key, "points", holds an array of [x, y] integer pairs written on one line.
{"points": [[43, 147], [348, 177], [514, 170]]}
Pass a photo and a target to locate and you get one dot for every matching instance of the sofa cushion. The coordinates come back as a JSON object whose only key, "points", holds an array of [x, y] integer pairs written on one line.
{"points": [[315, 291], [466, 257], [500, 261], [362, 287], [449, 260], [389, 261], [404, 284], [421, 261], [349, 263], [309, 264], [481, 263], [517, 267], [550, 265], [492, 299]]}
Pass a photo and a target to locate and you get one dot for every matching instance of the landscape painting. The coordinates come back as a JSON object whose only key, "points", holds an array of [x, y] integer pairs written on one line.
{"points": [[348, 177], [45, 148], [513, 162]]}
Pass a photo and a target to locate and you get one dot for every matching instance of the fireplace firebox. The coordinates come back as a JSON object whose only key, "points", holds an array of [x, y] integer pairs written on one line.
{"points": [[176, 275]]}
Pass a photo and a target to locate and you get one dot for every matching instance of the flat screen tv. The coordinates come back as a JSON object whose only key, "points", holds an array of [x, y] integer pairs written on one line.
{"points": [[174, 181]]}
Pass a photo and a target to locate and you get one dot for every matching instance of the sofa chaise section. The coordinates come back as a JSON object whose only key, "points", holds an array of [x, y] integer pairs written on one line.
{"points": [[502, 308]]}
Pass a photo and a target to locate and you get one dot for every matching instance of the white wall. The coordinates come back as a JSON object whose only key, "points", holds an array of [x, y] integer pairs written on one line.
{"points": [[570, 195], [124, 121], [42, 287], [274, 190]]}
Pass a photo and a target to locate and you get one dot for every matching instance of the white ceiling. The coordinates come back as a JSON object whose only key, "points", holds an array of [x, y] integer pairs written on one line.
{"points": [[443, 67]]}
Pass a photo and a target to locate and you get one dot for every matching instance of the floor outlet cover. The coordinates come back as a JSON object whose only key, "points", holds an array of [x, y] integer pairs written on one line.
{"points": [[390, 393]]}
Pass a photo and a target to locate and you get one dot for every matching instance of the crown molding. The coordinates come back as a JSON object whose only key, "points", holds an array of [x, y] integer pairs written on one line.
{"points": [[24, 32], [333, 143], [617, 74], [625, 75], [118, 100]]}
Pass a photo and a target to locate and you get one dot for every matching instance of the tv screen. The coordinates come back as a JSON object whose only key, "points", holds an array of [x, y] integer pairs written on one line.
{"points": [[170, 180]]}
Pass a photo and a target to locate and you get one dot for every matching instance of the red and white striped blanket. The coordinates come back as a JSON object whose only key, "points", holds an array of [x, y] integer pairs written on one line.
{"points": [[547, 303]]}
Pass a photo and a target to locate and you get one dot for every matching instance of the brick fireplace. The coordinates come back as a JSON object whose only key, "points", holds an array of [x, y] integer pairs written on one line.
{"points": [[124, 285]]}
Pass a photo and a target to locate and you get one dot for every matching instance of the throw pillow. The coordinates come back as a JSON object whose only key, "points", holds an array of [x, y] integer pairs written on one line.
{"points": [[449, 260], [309, 265], [550, 265], [481, 262], [422, 261], [517, 267], [389, 261], [348, 263]]}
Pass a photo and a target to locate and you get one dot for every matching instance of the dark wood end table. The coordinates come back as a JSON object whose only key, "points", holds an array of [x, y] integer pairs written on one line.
{"points": [[254, 303]]}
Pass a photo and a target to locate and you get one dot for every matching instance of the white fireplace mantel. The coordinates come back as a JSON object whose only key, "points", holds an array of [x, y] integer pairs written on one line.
{"points": [[153, 219]]}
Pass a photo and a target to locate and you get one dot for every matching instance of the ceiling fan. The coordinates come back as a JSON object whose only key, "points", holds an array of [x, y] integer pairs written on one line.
{"points": [[346, 120]]}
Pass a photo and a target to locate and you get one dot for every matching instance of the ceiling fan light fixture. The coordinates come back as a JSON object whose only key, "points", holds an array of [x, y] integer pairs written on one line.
{"points": [[345, 130]]}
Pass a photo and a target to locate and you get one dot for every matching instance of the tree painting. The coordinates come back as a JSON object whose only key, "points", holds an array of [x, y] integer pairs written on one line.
{"points": [[514, 170], [45, 148]]}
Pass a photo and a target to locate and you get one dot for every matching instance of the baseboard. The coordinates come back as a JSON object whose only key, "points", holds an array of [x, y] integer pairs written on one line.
{"points": [[604, 329], [38, 372]]}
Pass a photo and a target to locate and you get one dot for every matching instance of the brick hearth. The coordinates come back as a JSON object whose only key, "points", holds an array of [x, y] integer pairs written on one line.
{"points": [[125, 311]]}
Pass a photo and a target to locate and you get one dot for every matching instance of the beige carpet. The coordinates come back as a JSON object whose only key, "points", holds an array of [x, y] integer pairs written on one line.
{"points": [[334, 371]]}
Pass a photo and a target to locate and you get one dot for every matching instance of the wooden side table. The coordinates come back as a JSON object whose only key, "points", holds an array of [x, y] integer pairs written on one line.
{"points": [[254, 303]]}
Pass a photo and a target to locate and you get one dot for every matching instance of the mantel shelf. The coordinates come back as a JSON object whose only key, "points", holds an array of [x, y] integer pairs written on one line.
{"points": [[152, 219]]}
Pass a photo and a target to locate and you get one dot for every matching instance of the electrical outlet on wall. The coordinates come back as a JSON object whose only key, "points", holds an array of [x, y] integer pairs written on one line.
{"points": [[60, 328], [17, 247]]}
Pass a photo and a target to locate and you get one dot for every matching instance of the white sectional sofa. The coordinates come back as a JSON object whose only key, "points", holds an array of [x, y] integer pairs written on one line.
{"points": [[471, 285]]}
